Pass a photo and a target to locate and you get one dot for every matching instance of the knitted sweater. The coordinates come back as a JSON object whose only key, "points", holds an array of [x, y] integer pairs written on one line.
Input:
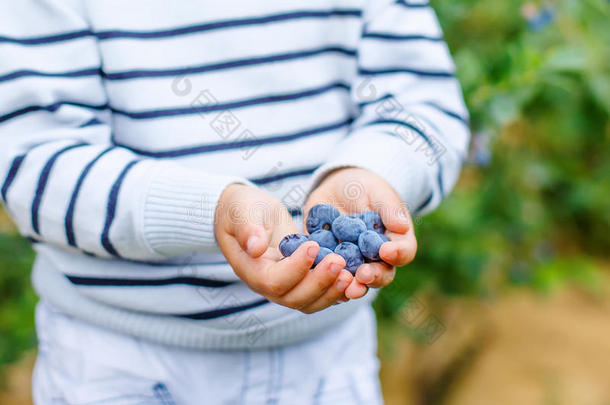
{"points": [[121, 122]]}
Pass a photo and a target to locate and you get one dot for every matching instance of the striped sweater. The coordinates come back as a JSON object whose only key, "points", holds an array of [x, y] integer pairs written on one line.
{"points": [[122, 122]]}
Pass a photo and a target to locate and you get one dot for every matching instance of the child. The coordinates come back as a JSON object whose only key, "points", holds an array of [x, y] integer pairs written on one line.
{"points": [[156, 152]]}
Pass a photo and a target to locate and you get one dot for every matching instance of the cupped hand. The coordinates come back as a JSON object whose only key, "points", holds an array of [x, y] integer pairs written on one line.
{"points": [[249, 225], [358, 190]]}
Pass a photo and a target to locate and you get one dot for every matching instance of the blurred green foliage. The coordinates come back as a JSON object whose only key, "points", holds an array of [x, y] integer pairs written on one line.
{"points": [[536, 214], [17, 299], [539, 95]]}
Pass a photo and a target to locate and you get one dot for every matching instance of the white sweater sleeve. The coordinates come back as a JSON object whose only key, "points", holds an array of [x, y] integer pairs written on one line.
{"points": [[61, 178], [412, 125]]}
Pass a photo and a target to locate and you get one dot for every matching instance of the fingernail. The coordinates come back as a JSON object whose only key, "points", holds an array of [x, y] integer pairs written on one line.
{"points": [[252, 240], [342, 284], [366, 275], [334, 269], [312, 252]]}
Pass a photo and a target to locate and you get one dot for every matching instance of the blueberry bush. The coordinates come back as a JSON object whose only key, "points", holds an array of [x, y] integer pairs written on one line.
{"points": [[532, 204]]}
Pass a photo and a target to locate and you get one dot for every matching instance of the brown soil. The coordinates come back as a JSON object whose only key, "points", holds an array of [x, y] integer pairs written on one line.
{"points": [[522, 349]]}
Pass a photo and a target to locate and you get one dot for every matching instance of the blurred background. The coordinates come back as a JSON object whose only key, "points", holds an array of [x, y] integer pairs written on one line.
{"points": [[507, 301]]}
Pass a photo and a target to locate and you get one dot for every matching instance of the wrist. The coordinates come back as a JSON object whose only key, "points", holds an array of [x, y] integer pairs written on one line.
{"points": [[229, 197]]}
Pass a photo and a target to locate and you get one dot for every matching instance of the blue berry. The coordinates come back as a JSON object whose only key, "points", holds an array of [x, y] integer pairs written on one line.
{"points": [[351, 254], [321, 255], [373, 222], [321, 216], [324, 238], [291, 242], [347, 229], [369, 243], [384, 238]]}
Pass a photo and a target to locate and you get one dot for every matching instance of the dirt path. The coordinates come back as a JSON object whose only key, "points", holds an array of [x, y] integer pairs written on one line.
{"points": [[523, 349], [18, 382]]}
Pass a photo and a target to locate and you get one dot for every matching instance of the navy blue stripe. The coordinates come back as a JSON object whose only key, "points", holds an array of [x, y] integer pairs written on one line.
{"points": [[42, 183], [69, 218], [50, 108], [216, 25], [150, 114], [424, 137], [430, 144], [274, 98], [135, 282], [249, 143], [448, 112], [91, 122], [439, 179], [66, 36], [191, 29], [10, 177], [428, 103], [398, 37], [131, 74], [423, 73], [33, 73], [412, 5], [284, 175], [220, 312], [404, 124], [377, 100], [111, 208], [426, 202]]}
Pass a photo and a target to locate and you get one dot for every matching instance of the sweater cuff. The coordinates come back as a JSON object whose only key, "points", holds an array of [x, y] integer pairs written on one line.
{"points": [[405, 167], [178, 210]]}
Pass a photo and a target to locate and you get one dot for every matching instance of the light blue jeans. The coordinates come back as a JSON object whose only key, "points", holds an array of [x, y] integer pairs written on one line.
{"points": [[79, 364]]}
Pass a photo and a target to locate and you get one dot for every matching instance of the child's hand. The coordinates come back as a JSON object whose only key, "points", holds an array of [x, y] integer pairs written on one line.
{"points": [[249, 226], [358, 190]]}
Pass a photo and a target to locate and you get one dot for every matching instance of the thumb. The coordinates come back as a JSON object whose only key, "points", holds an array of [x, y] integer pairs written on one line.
{"points": [[247, 226], [253, 238]]}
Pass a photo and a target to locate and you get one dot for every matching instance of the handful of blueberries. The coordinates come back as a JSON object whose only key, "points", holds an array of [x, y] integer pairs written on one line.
{"points": [[355, 237]]}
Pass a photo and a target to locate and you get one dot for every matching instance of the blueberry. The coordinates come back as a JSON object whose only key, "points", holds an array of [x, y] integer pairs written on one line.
{"points": [[324, 238], [347, 229], [369, 243], [351, 254], [321, 255], [291, 242], [373, 222], [384, 238], [320, 216]]}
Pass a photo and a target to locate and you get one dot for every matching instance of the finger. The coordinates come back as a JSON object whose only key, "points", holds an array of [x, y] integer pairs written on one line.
{"points": [[245, 266], [355, 290], [279, 278], [252, 238], [400, 250], [248, 227], [391, 208], [375, 275], [316, 283], [332, 295]]}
